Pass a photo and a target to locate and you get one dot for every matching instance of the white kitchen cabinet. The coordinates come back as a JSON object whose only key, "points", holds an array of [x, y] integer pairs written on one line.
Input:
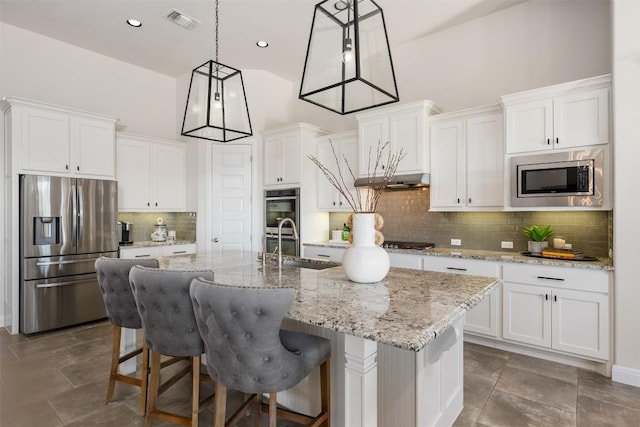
{"points": [[485, 318], [151, 174], [563, 116], [404, 127], [158, 251], [405, 260], [141, 253], [61, 141], [283, 154], [557, 308], [467, 160], [346, 147], [324, 252], [184, 249]]}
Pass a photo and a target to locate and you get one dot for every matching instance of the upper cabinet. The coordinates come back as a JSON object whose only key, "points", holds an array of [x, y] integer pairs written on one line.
{"points": [[151, 174], [567, 115], [346, 147], [283, 153], [59, 141], [404, 126], [467, 160]]}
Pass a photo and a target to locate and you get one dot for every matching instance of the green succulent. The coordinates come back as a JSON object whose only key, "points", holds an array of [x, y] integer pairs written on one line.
{"points": [[537, 233]]}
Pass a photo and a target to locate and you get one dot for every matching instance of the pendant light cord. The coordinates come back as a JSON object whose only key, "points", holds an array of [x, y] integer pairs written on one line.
{"points": [[216, 31]]}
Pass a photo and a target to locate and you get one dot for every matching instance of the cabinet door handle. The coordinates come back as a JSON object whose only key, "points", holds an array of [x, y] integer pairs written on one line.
{"points": [[382, 167], [148, 204], [66, 167], [156, 204], [546, 297], [78, 168], [324, 256], [334, 203], [548, 141], [458, 200], [456, 268], [555, 298], [551, 278], [142, 256], [469, 199], [340, 203], [557, 140], [178, 252]]}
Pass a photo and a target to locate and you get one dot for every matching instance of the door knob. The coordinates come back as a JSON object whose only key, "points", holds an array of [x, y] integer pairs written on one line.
{"points": [[215, 240]]}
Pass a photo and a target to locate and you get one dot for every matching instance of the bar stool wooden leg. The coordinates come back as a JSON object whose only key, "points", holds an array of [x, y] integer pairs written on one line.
{"points": [[221, 405], [195, 390], [115, 356], [154, 383], [325, 391], [144, 381], [273, 409]]}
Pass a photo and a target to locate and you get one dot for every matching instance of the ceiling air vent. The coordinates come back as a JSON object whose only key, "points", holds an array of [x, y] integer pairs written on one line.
{"points": [[185, 21]]}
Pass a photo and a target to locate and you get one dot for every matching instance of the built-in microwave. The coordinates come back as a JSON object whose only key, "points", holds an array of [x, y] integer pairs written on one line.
{"points": [[570, 178]]}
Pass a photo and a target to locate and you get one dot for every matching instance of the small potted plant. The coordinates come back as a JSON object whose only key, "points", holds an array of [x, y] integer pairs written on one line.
{"points": [[537, 237]]}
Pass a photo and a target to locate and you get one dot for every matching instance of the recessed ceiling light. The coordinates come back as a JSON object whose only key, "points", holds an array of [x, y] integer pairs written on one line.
{"points": [[134, 23], [262, 43]]}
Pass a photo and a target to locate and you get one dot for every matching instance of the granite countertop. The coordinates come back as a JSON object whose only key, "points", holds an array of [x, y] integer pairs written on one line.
{"points": [[500, 256], [150, 243], [408, 309]]}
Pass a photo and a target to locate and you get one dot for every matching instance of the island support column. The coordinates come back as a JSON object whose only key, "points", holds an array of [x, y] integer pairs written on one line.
{"points": [[361, 382]]}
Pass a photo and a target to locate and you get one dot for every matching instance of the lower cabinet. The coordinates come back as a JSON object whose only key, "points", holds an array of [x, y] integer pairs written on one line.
{"points": [[324, 253], [157, 251], [484, 319], [571, 316]]}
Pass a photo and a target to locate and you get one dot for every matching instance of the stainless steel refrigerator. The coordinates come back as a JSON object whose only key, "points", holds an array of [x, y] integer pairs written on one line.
{"points": [[65, 225]]}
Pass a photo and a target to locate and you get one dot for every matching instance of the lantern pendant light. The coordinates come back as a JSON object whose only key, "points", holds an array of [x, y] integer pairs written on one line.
{"points": [[348, 67], [216, 105]]}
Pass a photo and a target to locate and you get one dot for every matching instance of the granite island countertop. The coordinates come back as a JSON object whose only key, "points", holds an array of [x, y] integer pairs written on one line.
{"points": [[499, 256], [408, 309]]}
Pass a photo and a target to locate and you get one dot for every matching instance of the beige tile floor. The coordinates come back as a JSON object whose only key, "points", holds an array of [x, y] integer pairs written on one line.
{"points": [[59, 379]]}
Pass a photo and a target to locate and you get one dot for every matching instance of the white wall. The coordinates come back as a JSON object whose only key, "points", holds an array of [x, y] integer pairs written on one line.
{"points": [[626, 104], [43, 69]]}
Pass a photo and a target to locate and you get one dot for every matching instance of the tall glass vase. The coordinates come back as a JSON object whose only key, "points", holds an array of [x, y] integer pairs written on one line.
{"points": [[364, 262]]}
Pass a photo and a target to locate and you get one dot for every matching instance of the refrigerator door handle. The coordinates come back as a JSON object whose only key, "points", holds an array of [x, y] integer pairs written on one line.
{"points": [[80, 214], [60, 284], [46, 263]]}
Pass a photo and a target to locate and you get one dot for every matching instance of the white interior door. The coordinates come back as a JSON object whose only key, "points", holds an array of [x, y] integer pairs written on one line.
{"points": [[231, 198]]}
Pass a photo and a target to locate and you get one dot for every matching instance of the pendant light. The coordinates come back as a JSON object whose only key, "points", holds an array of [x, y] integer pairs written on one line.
{"points": [[348, 67], [216, 105]]}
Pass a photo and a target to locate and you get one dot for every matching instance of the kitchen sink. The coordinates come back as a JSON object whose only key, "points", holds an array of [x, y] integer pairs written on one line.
{"points": [[299, 263]]}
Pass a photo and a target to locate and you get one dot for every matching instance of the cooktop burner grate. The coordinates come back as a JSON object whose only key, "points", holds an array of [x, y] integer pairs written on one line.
{"points": [[408, 245]]}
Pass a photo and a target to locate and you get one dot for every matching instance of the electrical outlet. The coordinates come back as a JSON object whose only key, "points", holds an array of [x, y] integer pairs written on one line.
{"points": [[506, 245], [456, 242]]}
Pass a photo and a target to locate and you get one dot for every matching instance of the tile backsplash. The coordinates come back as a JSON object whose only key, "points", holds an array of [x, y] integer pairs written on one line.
{"points": [[407, 218], [184, 223]]}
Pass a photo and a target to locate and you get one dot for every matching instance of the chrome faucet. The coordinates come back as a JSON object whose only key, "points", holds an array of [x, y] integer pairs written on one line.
{"points": [[295, 236]]}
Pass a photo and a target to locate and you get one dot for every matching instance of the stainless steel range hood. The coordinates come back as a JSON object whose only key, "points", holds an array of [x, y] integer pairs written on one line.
{"points": [[399, 182]]}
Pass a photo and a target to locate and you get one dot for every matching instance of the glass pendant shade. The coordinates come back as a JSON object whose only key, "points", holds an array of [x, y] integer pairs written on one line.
{"points": [[348, 67], [216, 105]]}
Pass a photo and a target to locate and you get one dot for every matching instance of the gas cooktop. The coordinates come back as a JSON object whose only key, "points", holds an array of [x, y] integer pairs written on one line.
{"points": [[407, 245]]}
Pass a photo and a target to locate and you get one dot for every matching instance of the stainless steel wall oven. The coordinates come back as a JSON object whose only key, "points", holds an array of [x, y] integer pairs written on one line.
{"points": [[280, 204]]}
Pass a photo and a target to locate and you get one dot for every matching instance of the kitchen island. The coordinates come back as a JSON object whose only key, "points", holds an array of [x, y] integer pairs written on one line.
{"points": [[396, 345]]}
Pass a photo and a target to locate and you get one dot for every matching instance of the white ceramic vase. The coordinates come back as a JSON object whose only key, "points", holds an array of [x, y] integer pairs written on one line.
{"points": [[364, 262]]}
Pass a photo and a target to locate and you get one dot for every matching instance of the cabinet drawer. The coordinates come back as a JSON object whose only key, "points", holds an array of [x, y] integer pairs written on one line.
{"points": [[462, 266], [141, 253], [172, 250], [405, 260], [561, 277], [324, 253]]}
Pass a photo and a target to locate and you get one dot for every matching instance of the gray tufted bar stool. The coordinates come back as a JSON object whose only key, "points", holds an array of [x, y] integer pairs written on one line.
{"points": [[247, 351], [169, 325], [113, 278]]}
